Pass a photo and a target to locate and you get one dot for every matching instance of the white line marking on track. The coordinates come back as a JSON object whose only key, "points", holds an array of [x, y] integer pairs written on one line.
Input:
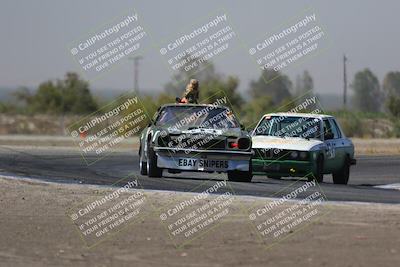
{"points": [[244, 197], [389, 186]]}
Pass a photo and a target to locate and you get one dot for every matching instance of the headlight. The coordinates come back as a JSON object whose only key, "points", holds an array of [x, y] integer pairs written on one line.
{"points": [[294, 154], [303, 155]]}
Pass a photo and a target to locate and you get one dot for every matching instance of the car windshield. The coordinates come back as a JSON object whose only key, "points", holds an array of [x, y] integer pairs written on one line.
{"points": [[196, 117], [289, 126]]}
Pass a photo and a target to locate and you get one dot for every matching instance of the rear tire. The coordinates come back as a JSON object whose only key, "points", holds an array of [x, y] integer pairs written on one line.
{"points": [[318, 175], [342, 176], [152, 169]]}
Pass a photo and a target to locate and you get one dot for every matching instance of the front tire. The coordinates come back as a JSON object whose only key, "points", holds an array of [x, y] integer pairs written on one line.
{"points": [[318, 175], [241, 176], [275, 177], [142, 163], [152, 169], [342, 176]]}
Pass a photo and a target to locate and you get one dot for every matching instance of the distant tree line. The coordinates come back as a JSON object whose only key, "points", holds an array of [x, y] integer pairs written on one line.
{"points": [[71, 95], [371, 96]]}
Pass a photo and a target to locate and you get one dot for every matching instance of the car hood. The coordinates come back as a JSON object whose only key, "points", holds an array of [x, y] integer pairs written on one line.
{"points": [[289, 143]]}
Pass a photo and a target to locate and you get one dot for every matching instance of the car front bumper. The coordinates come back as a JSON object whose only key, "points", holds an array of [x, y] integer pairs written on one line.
{"points": [[202, 160], [282, 167]]}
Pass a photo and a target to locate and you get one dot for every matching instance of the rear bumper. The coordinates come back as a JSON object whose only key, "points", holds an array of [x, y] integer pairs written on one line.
{"points": [[202, 160], [282, 167]]}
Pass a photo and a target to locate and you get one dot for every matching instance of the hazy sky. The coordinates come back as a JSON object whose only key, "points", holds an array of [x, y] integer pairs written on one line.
{"points": [[35, 37]]}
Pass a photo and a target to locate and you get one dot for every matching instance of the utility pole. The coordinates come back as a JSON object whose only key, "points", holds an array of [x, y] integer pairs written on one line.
{"points": [[344, 82], [136, 72]]}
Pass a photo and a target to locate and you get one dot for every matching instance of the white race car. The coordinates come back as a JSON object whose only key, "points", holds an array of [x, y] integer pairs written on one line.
{"points": [[300, 144]]}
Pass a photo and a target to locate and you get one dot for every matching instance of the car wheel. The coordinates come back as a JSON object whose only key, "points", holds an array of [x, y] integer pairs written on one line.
{"points": [[318, 175], [275, 177], [342, 176], [142, 163], [152, 169], [240, 176]]}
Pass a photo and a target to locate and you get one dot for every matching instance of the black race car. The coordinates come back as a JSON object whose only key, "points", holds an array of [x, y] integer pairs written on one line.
{"points": [[192, 137]]}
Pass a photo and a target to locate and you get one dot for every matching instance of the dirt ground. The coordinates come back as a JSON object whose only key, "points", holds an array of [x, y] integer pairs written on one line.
{"points": [[36, 230]]}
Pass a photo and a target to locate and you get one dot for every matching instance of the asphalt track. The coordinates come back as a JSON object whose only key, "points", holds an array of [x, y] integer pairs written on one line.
{"points": [[68, 166]]}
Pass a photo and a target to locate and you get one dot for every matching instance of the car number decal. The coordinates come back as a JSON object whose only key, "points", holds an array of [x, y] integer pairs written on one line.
{"points": [[331, 152]]}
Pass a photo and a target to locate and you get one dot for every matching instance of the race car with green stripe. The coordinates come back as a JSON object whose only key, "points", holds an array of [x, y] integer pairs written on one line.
{"points": [[300, 144]]}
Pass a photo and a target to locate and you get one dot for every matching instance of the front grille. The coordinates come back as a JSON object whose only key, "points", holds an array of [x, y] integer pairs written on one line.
{"points": [[276, 154], [270, 153], [198, 142], [212, 144]]}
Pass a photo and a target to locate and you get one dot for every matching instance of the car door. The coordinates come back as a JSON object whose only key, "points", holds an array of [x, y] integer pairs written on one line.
{"points": [[343, 145], [333, 151], [340, 144]]}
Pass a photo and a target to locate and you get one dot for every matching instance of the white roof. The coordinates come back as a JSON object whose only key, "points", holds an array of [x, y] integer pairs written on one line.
{"points": [[292, 114]]}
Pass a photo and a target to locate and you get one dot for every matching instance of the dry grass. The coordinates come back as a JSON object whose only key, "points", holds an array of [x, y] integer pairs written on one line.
{"points": [[377, 146]]}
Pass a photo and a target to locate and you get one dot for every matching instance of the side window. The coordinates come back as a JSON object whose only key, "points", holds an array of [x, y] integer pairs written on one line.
{"points": [[335, 129], [327, 127], [330, 130]]}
